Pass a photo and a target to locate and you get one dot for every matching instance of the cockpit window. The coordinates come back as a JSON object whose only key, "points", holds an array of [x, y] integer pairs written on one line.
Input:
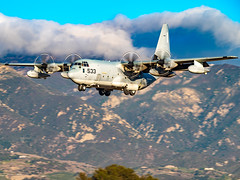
{"points": [[85, 64], [79, 64]]}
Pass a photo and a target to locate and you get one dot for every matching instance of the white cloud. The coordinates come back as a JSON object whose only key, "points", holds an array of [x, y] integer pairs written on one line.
{"points": [[203, 18], [37, 36], [109, 39]]}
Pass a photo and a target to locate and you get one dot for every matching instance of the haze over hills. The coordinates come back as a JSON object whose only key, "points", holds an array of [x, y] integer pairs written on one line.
{"points": [[189, 121]]}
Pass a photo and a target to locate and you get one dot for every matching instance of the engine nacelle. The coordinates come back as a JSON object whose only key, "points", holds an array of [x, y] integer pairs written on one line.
{"points": [[161, 72], [198, 69], [65, 74], [37, 75]]}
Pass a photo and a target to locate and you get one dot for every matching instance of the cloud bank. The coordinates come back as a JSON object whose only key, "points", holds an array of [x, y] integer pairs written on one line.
{"points": [[110, 39]]}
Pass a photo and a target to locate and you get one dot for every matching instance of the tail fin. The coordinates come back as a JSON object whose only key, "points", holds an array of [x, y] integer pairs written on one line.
{"points": [[163, 47]]}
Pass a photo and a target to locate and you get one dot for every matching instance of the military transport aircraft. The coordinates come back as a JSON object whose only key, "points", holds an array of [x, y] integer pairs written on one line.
{"points": [[128, 75]]}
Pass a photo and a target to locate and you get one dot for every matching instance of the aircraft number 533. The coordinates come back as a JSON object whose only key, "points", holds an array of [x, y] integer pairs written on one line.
{"points": [[91, 71]]}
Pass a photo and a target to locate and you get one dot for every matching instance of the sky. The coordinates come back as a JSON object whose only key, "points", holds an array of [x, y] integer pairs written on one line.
{"points": [[108, 29], [95, 11]]}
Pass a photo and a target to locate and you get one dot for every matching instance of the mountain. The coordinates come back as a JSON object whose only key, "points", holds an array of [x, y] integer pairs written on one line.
{"points": [[188, 121], [37, 120]]}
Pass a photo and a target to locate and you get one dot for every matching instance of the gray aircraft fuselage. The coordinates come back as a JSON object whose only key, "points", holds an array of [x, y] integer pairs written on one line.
{"points": [[107, 75]]}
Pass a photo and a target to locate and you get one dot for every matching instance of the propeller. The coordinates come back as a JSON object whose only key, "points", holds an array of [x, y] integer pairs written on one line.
{"points": [[69, 60], [163, 66], [43, 59], [133, 66], [45, 63], [130, 58]]}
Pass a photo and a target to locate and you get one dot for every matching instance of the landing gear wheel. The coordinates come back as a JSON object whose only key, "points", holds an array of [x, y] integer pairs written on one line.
{"points": [[101, 92], [132, 93], [107, 93], [126, 92], [81, 87]]}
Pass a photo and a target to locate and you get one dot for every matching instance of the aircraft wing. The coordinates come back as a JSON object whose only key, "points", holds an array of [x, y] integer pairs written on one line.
{"points": [[185, 60], [205, 59], [19, 64], [39, 65]]}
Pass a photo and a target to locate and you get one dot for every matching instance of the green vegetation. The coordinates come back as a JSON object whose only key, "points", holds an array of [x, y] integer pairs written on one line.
{"points": [[3, 178], [5, 156], [61, 176], [114, 172], [4, 144]]}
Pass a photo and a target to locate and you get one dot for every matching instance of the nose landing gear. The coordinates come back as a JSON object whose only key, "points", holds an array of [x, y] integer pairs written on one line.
{"points": [[82, 87]]}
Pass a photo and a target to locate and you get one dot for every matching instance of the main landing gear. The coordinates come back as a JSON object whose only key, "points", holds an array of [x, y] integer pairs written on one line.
{"points": [[129, 92], [82, 87], [103, 92]]}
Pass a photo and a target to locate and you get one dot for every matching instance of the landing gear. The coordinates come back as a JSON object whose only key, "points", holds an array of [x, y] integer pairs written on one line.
{"points": [[107, 93], [103, 92], [127, 92], [81, 87], [132, 93]]}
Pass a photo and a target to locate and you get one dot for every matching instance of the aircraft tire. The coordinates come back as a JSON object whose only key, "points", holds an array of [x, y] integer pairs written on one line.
{"points": [[81, 87], [126, 92], [107, 93], [101, 92], [132, 93]]}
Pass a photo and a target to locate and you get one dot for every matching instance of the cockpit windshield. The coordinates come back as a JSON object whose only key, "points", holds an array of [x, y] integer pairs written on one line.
{"points": [[79, 64], [85, 64]]}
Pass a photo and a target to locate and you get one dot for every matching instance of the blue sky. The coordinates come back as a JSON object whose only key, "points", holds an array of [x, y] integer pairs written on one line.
{"points": [[94, 11]]}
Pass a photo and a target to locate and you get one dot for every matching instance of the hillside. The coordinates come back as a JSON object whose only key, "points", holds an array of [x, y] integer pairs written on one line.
{"points": [[188, 121]]}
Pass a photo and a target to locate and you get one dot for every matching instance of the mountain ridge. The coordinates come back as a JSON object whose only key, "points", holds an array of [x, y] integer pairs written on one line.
{"points": [[188, 120]]}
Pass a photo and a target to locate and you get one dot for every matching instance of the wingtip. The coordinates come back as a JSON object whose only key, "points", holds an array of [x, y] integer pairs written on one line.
{"points": [[230, 57]]}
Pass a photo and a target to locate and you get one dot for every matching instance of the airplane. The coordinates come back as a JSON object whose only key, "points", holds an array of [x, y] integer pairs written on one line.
{"points": [[128, 75]]}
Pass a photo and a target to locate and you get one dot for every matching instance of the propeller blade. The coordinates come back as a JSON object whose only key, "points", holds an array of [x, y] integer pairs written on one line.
{"points": [[130, 56], [69, 60], [43, 61]]}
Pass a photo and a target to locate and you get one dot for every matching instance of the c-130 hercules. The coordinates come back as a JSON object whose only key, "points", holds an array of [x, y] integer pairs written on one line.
{"points": [[128, 75]]}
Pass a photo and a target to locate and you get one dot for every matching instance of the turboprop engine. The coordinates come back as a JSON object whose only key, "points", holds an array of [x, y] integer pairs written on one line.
{"points": [[68, 62], [37, 75], [161, 72], [43, 66], [198, 68], [131, 65], [163, 68]]}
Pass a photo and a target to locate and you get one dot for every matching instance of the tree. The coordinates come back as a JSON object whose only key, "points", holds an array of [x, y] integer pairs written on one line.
{"points": [[114, 172], [83, 176]]}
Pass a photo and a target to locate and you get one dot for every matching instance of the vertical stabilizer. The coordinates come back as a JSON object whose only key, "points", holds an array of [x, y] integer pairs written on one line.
{"points": [[163, 47]]}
